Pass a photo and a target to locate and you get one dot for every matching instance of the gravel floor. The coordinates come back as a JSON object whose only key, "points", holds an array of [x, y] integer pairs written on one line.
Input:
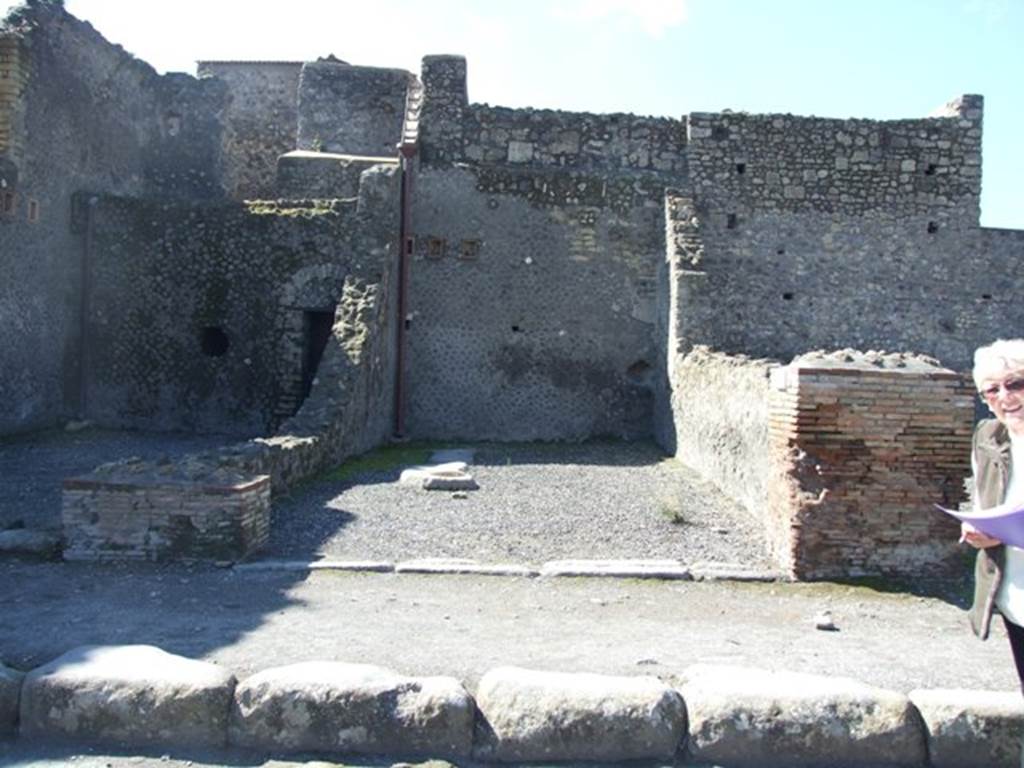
{"points": [[32, 466], [536, 502]]}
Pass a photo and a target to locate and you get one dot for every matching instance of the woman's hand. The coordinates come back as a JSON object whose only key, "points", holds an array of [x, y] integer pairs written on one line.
{"points": [[971, 535]]}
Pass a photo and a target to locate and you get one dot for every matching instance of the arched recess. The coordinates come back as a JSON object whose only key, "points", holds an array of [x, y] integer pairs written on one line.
{"points": [[306, 307]]}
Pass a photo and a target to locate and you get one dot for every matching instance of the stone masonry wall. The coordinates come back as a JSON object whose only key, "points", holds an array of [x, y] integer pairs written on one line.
{"points": [[89, 117], [13, 81], [778, 284], [351, 110], [536, 274], [260, 121], [719, 422], [196, 314], [183, 326], [533, 301], [349, 409], [540, 137], [866, 446], [740, 163]]}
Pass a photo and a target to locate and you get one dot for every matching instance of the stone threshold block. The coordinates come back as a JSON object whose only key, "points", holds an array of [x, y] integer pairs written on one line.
{"points": [[528, 715], [10, 693], [741, 716], [138, 513], [630, 569], [333, 707], [971, 728], [131, 695]]}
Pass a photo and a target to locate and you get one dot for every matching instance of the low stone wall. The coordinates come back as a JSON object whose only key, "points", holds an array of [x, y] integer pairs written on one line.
{"points": [[720, 419], [141, 697]]}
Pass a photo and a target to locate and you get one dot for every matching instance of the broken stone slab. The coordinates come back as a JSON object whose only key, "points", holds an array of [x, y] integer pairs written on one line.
{"points": [[352, 708], [132, 695], [635, 569], [451, 476], [464, 482], [527, 715], [462, 565], [970, 728], [741, 716], [29, 541], [10, 692]]}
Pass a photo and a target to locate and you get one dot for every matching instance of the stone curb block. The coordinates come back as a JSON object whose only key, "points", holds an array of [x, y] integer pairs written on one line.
{"points": [[28, 541], [970, 728], [10, 692], [373, 566], [633, 569], [462, 566], [352, 708], [527, 715], [750, 717], [134, 695], [702, 571]]}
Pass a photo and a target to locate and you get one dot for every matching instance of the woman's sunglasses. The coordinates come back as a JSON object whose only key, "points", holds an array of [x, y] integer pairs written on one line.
{"points": [[1012, 386]]}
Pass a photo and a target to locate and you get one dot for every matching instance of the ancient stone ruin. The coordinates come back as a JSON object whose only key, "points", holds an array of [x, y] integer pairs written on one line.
{"points": [[328, 255]]}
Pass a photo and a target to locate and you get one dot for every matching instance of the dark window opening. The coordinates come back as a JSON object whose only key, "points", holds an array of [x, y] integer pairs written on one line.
{"points": [[780, 252], [932, 227], [516, 329], [7, 205], [33, 211], [317, 327], [214, 342], [731, 221], [741, 168], [930, 170], [986, 296], [788, 296]]}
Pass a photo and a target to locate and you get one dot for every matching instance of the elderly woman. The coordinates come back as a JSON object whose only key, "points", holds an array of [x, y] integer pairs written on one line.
{"points": [[998, 463]]}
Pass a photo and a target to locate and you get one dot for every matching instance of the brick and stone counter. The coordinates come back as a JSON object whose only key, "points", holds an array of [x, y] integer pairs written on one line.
{"points": [[161, 511]]}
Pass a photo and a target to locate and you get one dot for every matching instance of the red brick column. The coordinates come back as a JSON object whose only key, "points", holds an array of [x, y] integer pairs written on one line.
{"points": [[864, 446]]}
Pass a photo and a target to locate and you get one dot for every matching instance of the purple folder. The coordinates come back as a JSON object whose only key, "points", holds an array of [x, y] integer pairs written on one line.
{"points": [[1005, 522]]}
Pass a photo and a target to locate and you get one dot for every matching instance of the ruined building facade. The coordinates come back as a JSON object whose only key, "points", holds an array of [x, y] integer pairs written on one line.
{"points": [[326, 254]]}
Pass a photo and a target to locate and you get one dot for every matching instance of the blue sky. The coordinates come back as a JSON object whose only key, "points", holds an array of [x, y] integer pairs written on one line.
{"points": [[877, 59]]}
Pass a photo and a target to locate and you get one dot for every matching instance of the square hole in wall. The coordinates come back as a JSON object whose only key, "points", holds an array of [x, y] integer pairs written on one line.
{"points": [[436, 247], [469, 250]]}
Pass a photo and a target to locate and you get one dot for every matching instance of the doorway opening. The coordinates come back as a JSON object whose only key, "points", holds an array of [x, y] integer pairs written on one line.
{"points": [[316, 330]]}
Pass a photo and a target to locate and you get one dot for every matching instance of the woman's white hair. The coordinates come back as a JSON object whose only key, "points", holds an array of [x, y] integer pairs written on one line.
{"points": [[1001, 355]]}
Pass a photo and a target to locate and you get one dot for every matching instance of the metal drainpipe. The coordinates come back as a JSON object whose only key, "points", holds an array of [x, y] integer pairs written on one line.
{"points": [[405, 241]]}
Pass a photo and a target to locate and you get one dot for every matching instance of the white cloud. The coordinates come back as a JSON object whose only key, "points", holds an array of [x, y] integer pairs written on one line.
{"points": [[653, 16]]}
